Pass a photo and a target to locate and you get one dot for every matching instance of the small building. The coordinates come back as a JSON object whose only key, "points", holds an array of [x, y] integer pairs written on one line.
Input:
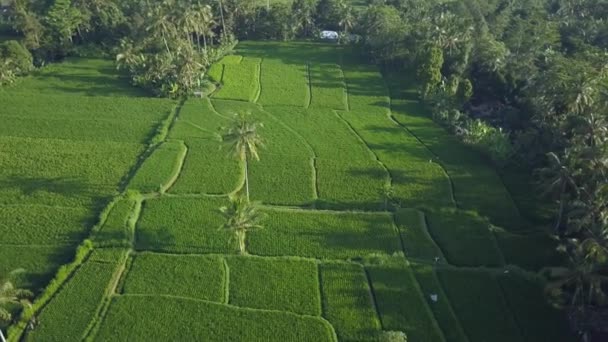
{"points": [[329, 35]]}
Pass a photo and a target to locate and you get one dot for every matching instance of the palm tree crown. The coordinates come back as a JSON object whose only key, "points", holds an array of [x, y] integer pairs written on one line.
{"points": [[12, 296], [241, 216]]}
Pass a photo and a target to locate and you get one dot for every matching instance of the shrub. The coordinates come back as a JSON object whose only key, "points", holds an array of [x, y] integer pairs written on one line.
{"points": [[20, 57], [490, 140]]}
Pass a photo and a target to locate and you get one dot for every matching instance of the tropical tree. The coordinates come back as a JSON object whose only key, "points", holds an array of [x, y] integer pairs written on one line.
{"points": [[557, 178], [12, 296], [241, 217], [243, 141]]}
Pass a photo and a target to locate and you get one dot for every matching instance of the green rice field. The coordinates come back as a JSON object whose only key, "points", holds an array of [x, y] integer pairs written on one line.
{"points": [[87, 159]]}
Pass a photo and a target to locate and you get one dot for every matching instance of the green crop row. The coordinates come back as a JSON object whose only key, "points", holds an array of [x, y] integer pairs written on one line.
{"points": [[216, 71], [277, 284], [193, 276], [240, 81], [152, 318], [479, 304], [347, 301], [400, 302], [367, 90], [114, 231], [198, 119], [441, 308], [328, 87], [32, 224], [464, 237], [184, 225], [69, 314], [324, 234], [283, 84], [159, 169]]}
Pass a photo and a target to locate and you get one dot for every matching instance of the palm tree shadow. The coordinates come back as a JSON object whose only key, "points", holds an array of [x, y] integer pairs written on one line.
{"points": [[58, 185]]}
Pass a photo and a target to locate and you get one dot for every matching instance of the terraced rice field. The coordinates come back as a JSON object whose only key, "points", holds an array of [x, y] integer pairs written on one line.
{"points": [[447, 257]]}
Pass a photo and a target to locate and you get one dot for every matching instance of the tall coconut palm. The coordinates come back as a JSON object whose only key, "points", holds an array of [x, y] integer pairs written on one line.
{"points": [[557, 178], [12, 296], [243, 140], [241, 216]]}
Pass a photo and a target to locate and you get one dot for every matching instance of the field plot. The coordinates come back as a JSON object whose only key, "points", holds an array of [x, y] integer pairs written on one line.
{"points": [[464, 237], [276, 284], [70, 313], [328, 87], [183, 225], [477, 186], [40, 262], [207, 170], [192, 276], [150, 318], [198, 119], [240, 81], [347, 174], [284, 84], [327, 235], [400, 302], [284, 174], [442, 309], [347, 301], [524, 294], [158, 170], [417, 242], [43, 225], [479, 304]]}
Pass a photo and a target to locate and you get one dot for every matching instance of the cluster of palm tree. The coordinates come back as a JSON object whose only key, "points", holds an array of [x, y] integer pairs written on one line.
{"points": [[243, 141]]}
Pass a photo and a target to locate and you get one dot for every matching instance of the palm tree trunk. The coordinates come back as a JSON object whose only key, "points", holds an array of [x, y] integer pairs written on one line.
{"points": [[242, 237], [247, 179], [560, 214], [166, 45], [222, 18], [2, 339]]}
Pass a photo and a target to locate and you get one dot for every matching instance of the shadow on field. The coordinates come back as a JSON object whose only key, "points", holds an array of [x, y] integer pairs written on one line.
{"points": [[158, 239], [59, 185]]}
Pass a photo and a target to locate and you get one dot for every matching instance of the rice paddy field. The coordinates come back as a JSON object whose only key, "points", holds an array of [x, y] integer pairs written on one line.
{"points": [[137, 182]]}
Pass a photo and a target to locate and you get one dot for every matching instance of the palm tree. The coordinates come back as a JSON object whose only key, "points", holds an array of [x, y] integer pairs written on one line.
{"points": [[10, 295], [241, 217], [244, 141], [557, 177]]}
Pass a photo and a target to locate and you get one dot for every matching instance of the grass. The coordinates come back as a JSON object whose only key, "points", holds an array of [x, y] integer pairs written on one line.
{"points": [[284, 84], [347, 301], [146, 318], [71, 311], [198, 119], [479, 304], [327, 235], [240, 81], [400, 302], [157, 170], [524, 293], [192, 276], [275, 284], [464, 237], [328, 87], [183, 225], [442, 309], [115, 231], [417, 242]]}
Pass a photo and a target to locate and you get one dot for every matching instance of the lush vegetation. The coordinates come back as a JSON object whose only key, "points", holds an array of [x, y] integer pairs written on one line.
{"points": [[424, 177]]}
